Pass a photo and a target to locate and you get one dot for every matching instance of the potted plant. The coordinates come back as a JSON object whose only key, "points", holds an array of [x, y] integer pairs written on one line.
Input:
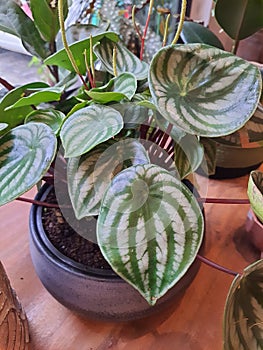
{"points": [[108, 136], [254, 224], [240, 152]]}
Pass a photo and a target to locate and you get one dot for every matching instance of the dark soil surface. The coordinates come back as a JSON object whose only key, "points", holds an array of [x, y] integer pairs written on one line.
{"points": [[67, 241]]}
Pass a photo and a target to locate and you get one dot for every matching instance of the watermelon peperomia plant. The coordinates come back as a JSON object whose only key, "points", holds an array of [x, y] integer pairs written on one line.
{"points": [[150, 225]]}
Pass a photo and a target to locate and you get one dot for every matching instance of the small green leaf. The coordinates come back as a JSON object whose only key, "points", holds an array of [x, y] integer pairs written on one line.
{"points": [[45, 14], [45, 95], [204, 90], [243, 316], [193, 32], [50, 117], [239, 18], [88, 127], [90, 175], [61, 59], [15, 117], [14, 21], [149, 229], [255, 193], [26, 153], [126, 61], [189, 154]]}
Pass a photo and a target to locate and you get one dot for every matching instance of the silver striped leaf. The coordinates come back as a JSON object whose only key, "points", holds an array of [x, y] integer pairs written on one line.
{"points": [[50, 117], [149, 229], [250, 136], [26, 153], [123, 86], [243, 316], [90, 175], [88, 127], [188, 154], [204, 90], [126, 61], [255, 193]]}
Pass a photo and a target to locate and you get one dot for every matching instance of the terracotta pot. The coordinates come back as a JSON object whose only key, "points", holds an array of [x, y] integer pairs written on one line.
{"points": [[255, 230], [89, 291]]}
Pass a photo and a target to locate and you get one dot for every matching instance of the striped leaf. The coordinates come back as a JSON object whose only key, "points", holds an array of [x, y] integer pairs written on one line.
{"points": [[243, 318], [188, 154], [132, 114], [60, 58], [149, 229], [90, 175], [123, 86], [88, 127], [210, 152], [255, 193], [45, 95], [204, 90], [50, 117], [125, 59], [26, 153], [250, 136]]}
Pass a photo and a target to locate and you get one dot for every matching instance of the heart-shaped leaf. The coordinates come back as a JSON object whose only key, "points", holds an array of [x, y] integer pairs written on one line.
{"points": [[14, 21], [204, 90], [123, 86], [255, 193], [50, 117], [149, 229], [126, 61], [89, 127], [90, 175], [61, 59], [26, 153], [44, 95], [243, 318], [239, 18], [193, 32]]}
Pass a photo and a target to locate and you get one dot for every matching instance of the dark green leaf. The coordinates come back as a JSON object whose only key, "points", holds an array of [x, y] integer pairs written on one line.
{"points": [[196, 33], [239, 18], [13, 20]]}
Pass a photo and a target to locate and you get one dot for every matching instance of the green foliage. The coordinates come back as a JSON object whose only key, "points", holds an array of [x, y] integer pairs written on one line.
{"points": [[243, 319], [14, 21], [255, 193], [239, 18]]}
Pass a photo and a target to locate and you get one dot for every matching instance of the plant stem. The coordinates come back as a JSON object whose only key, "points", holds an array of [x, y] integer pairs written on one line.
{"points": [[65, 43], [54, 71], [6, 84], [223, 200], [181, 22], [114, 61], [134, 23], [216, 266], [33, 201], [91, 61], [146, 29], [235, 46]]}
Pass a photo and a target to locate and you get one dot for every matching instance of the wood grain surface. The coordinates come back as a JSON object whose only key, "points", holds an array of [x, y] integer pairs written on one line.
{"points": [[193, 323]]}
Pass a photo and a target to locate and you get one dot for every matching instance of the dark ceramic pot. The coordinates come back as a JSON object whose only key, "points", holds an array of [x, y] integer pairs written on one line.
{"points": [[254, 229], [89, 291]]}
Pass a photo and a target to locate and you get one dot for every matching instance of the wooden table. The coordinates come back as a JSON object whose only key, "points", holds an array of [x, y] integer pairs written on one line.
{"points": [[195, 322]]}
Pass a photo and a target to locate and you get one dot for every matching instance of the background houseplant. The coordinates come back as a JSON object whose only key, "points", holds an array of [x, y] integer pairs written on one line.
{"points": [[240, 152], [101, 93]]}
